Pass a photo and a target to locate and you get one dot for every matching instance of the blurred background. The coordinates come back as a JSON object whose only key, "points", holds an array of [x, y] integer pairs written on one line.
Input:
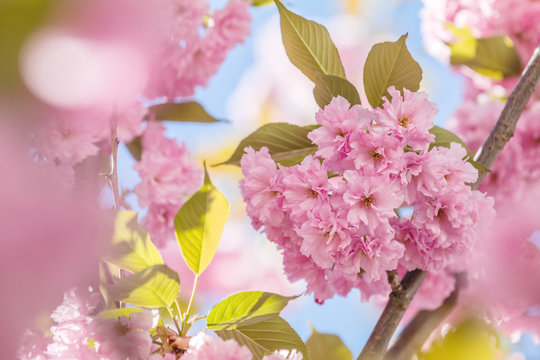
{"points": [[255, 85]]}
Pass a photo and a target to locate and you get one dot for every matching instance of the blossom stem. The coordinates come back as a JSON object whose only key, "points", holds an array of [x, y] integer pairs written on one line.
{"points": [[422, 327], [113, 179], [186, 315], [175, 322], [179, 310]]}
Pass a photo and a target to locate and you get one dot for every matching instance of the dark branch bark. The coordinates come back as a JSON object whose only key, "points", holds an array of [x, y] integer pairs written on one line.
{"points": [[423, 324], [393, 312]]}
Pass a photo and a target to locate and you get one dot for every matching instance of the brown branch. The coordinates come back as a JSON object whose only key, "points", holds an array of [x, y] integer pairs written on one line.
{"points": [[398, 302], [423, 324]]}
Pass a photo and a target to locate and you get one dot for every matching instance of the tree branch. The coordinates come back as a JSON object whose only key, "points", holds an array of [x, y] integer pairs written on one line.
{"points": [[425, 322], [393, 312]]}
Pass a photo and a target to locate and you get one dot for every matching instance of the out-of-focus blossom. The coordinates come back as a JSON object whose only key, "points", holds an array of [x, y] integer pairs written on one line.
{"points": [[207, 347]]}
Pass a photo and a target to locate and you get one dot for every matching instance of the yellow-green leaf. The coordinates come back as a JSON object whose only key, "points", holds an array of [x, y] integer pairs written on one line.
{"points": [[288, 144], [472, 339], [327, 346], [261, 2], [493, 56], [154, 287], [116, 313], [330, 86], [199, 224], [390, 64], [131, 248], [187, 111], [309, 46], [246, 308], [265, 337]]}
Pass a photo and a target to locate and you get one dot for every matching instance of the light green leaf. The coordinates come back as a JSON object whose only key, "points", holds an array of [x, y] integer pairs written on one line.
{"points": [[265, 337], [116, 313], [199, 224], [445, 137], [186, 111], [309, 46], [327, 346], [155, 286], [494, 56], [329, 86], [390, 64], [261, 2], [135, 148], [131, 248], [246, 308], [288, 144]]}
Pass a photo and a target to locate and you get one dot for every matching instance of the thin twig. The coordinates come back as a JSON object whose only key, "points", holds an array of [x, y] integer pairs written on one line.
{"points": [[423, 324], [113, 176]]}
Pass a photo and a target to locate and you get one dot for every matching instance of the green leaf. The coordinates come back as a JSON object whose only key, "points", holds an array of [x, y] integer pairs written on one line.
{"points": [[445, 137], [246, 308], [327, 346], [471, 339], [155, 286], [199, 224], [186, 111], [131, 248], [265, 337], [495, 56], [261, 2], [390, 64], [135, 148], [116, 313], [329, 86], [309, 46], [288, 144]]}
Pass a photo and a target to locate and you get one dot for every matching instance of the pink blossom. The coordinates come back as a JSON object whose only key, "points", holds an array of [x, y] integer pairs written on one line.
{"points": [[168, 178], [338, 120], [284, 355], [125, 337], [263, 187], [372, 200], [33, 346], [206, 347], [410, 117]]}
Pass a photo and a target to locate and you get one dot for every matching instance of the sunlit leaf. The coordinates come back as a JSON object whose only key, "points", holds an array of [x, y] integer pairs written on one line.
{"points": [[471, 339], [190, 111], [390, 64], [265, 337], [261, 2], [288, 144], [199, 225], [131, 248], [156, 286], [116, 313], [245, 308], [445, 137], [327, 346], [309, 46], [329, 86], [493, 56]]}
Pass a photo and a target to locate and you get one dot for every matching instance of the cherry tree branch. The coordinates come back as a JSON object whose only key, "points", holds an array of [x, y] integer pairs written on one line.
{"points": [[399, 300], [423, 324]]}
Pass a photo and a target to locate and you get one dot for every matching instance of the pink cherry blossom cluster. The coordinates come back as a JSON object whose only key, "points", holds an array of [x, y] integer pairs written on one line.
{"points": [[80, 333], [334, 215], [188, 59], [168, 178]]}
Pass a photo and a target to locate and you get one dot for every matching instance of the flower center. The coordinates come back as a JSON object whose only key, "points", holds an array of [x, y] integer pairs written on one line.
{"points": [[404, 121], [313, 193], [375, 155], [367, 201]]}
